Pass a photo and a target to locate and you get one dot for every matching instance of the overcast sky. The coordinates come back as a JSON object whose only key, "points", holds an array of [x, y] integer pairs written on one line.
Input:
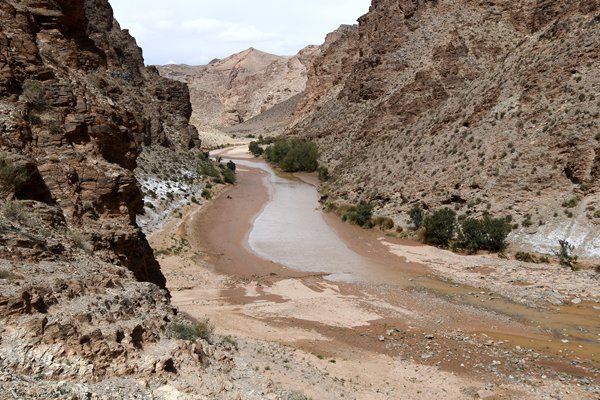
{"points": [[197, 31]]}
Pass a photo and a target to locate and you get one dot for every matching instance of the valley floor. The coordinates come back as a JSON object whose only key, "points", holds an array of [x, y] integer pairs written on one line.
{"points": [[456, 328]]}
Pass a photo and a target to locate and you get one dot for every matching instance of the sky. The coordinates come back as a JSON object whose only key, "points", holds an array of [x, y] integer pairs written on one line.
{"points": [[196, 32]]}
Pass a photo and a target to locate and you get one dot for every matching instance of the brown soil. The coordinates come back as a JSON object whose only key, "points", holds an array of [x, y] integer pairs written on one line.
{"points": [[368, 335]]}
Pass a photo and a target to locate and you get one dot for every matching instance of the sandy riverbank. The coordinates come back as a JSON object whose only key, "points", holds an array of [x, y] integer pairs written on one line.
{"points": [[431, 346]]}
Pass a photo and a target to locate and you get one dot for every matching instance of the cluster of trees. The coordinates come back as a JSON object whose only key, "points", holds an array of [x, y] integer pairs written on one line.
{"points": [[291, 155], [443, 228]]}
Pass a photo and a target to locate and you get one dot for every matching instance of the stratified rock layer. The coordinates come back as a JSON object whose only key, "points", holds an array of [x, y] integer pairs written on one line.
{"points": [[480, 106], [76, 107]]}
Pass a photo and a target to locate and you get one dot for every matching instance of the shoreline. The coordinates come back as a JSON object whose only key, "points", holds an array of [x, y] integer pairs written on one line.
{"points": [[269, 302]]}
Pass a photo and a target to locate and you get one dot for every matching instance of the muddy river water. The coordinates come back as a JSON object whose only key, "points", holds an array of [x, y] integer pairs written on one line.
{"points": [[292, 230]]}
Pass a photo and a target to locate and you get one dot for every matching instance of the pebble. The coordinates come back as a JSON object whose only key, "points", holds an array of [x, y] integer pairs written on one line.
{"points": [[576, 300], [425, 356], [429, 336], [381, 338]]}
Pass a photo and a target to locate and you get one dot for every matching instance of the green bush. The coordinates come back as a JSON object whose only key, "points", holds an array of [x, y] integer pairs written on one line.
{"points": [[323, 174], [229, 176], [231, 165], [364, 212], [255, 149], [207, 194], [439, 227], [416, 216], [11, 176], [191, 331], [277, 151], [486, 234], [565, 255], [293, 155]]}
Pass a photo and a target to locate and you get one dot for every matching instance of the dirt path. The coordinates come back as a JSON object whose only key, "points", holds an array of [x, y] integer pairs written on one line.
{"points": [[365, 341]]}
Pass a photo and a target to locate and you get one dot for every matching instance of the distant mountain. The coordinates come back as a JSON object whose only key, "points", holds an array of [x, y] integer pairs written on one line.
{"points": [[227, 92]]}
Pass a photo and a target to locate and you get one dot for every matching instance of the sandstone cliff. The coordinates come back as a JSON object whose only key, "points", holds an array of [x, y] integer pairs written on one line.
{"points": [[480, 106]]}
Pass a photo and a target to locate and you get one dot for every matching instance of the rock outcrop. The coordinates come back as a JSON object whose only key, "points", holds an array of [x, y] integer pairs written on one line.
{"points": [[479, 106], [76, 107], [83, 309]]}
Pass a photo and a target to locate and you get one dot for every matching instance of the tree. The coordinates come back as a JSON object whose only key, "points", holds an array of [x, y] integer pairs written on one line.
{"points": [[231, 165], [255, 149], [364, 212], [439, 226], [416, 216], [486, 234], [293, 155], [228, 176]]}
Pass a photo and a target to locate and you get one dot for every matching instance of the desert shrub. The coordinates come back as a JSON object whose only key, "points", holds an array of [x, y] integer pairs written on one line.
{"points": [[207, 168], [323, 174], [230, 340], [565, 255], [80, 240], [384, 223], [296, 396], [11, 176], [34, 93], [484, 234], [364, 212], [207, 194], [16, 212], [255, 149], [439, 226], [525, 257], [231, 165], [229, 176], [572, 202], [415, 214], [202, 329]]}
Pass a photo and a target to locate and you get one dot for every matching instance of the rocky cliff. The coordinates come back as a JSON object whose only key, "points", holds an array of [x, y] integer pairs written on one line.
{"points": [[80, 314], [76, 107], [480, 106]]}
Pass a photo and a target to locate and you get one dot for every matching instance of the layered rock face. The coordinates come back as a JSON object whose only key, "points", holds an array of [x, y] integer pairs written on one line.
{"points": [[479, 106], [228, 92], [81, 315], [76, 107]]}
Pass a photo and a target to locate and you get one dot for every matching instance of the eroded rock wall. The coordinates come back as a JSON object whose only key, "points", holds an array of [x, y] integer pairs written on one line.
{"points": [[77, 105], [479, 106]]}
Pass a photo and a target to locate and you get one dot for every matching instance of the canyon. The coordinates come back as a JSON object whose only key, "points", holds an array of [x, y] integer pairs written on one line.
{"points": [[118, 231]]}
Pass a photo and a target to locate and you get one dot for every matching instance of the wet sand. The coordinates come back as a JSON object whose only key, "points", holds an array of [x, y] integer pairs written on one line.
{"points": [[220, 230], [257, 298]]}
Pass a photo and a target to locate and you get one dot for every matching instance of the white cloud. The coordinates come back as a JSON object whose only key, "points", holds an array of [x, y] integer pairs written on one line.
{"points": [[202, 25], [165, 25], [197, 31], [242, 32]]}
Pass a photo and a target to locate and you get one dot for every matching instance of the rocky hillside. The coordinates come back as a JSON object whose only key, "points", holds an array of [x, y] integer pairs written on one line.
{"points": [[230, 91], [82, 311], [478, 106]]}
